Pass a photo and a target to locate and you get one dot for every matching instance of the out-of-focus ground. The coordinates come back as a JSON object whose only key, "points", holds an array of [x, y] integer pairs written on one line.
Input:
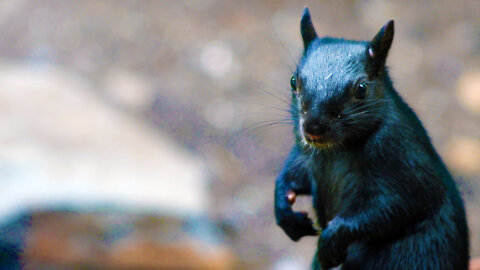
{"points": [[142, 135]]}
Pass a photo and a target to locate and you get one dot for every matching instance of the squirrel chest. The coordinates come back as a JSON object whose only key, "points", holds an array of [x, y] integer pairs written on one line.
{"points": [[331, 177]]}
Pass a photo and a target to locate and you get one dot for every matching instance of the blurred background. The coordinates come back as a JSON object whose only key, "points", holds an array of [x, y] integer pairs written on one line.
{"points": [[148, 134]]}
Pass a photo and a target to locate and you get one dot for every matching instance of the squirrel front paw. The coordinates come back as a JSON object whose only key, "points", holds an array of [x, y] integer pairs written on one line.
{"points": [[296, 225], [332, 250]]}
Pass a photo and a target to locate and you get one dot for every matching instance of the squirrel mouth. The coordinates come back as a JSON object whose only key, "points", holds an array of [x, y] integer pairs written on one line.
{"points": [[320, 141], [314, 138]]}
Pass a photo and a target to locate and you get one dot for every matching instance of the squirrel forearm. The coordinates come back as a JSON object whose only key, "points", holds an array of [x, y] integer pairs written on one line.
{"points": [[292, 180], [380, 215]]}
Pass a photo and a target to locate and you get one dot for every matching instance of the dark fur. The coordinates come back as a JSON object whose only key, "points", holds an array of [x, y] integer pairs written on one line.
{"points": [[383, 196], [13, 234]]}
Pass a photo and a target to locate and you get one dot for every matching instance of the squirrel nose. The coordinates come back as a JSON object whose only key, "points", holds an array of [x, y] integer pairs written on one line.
{"points": [[314, 129]]}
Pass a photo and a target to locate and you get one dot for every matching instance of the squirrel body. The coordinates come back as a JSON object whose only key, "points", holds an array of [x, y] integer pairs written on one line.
{"points": [[383, 197]]}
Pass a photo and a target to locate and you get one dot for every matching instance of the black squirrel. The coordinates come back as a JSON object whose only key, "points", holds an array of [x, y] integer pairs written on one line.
{"points": [[383, 197]]}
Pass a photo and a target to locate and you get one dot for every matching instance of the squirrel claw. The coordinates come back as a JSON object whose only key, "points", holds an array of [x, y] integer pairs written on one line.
{"points": [[291, 197]]}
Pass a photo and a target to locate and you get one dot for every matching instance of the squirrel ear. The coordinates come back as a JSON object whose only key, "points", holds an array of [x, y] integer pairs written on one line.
{"points": [[307, 29], [377, 49]]}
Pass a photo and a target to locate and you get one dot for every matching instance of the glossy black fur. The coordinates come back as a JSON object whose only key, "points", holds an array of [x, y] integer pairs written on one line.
{"points": [[383, 196], [13, 234]]}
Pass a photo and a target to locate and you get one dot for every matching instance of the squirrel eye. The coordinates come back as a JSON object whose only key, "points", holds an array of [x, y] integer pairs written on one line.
{"points": [[293, 83], [361, 90]]}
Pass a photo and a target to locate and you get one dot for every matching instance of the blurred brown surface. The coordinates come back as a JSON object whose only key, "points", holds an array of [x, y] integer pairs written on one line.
{"points": [[78, 241], [475, 264], [214, 76]]}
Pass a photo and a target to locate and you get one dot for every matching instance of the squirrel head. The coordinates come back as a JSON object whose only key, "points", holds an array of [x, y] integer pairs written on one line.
{"points": [[338, 88]]}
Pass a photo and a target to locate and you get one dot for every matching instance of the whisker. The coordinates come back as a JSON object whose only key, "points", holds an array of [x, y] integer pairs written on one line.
{"points": [[262, 125], [283, 96], [367, 105], [276, 108], [356, 114], [265, 123], [294, 62]]}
